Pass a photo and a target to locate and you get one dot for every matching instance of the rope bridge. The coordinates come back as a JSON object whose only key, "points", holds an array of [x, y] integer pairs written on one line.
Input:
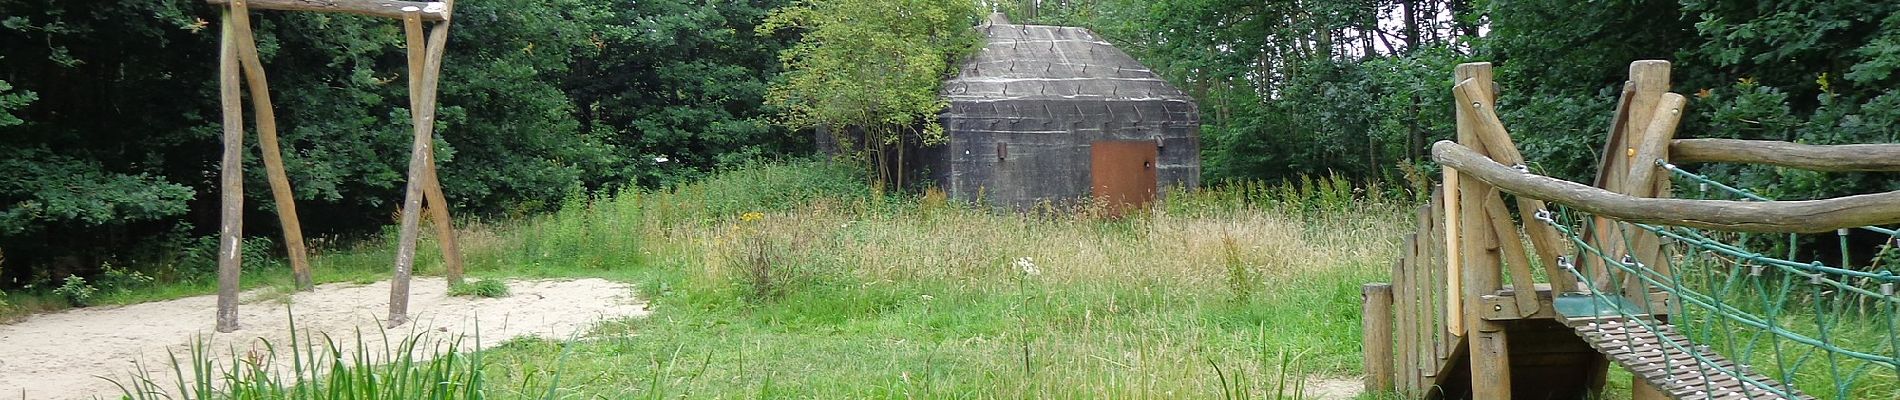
{"points": [[1744, 322], [1483, 306]]}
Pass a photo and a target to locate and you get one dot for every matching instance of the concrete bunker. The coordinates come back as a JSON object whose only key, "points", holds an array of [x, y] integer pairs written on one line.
{"points": [[1050, 114]]}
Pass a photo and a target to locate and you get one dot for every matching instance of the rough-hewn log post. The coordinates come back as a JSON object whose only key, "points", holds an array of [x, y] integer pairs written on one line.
{"points": [[1376, 323], [412, 193], [231, 179], [430, 11], [1405, 307], [267, 144], [1454, 262]]}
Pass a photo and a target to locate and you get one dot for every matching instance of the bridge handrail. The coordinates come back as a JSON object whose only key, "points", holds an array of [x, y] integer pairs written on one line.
{"points": [[1832, 158], [1803, 216]]}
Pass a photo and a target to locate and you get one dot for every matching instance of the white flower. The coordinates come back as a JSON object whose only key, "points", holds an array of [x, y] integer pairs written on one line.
{"points": [[1028, 266], [927, 298], [661, 159]]}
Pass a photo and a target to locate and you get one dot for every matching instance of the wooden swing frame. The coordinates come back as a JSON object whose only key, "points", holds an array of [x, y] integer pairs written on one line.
{"points": [[237, 58]]}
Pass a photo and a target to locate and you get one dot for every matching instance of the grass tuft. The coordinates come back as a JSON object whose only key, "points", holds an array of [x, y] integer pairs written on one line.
{"points": [[486, 288]]}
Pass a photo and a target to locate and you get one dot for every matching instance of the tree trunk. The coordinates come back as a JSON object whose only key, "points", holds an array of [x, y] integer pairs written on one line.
{"points": [[1410, 9]]}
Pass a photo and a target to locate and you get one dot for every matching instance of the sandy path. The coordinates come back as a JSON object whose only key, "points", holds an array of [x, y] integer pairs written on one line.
{"points": [[60, 355]]}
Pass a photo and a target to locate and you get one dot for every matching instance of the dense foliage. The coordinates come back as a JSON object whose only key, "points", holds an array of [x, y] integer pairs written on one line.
{"points": [[111, 123], [1315, 87]]}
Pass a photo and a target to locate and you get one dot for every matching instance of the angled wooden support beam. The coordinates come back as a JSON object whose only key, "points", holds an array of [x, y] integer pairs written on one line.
{"points": [[280, 189], [1479, 102], [1833, 158], [412, 193], [1648, 80], [430, 11], [1480, 273], [1475, 100], [1646, 178], [1804, 216], [424, 93]]}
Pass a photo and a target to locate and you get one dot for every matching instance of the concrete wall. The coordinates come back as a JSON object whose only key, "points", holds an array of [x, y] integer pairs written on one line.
{"points": [[1046, 153]]}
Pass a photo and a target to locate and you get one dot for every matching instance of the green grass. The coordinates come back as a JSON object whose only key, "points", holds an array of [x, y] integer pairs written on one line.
{"points": [[856, 295], [415, 367], [488, 288], [799, 280]]}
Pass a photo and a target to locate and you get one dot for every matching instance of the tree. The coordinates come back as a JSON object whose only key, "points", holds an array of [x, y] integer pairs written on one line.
{"points": [[870, 65], [683, 81]]}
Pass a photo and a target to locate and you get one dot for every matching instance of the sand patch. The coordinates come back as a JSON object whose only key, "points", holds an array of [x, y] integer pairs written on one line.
{"points": [[1318, 388], [60, 355]]}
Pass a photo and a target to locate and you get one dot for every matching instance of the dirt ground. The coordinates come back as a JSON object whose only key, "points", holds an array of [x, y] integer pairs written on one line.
{"points": [[64, 355]]}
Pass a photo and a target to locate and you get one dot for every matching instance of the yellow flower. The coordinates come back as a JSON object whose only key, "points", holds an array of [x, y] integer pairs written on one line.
{"points": [[752, 216]]}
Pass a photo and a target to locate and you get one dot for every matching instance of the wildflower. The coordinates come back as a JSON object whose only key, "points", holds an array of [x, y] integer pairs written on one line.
{"points": [[1028, 266], [752, 216], [927, 298]]}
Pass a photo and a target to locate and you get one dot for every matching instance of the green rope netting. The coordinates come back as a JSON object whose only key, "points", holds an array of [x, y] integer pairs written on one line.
{"points": [[1827, 331]]}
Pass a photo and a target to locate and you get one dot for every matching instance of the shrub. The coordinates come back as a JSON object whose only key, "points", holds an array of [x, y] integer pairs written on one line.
{"points": [[76, 291]]}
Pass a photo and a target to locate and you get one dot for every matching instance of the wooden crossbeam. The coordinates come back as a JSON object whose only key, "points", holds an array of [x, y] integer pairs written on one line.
{"points": [[432, 11]]}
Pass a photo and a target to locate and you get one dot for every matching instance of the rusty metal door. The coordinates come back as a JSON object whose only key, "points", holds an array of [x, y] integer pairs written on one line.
{"points": [[1124, 172]]}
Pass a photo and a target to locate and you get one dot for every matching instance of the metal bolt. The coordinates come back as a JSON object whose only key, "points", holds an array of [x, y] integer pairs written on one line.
{"points": [[1544, 215], [1498, 307]]}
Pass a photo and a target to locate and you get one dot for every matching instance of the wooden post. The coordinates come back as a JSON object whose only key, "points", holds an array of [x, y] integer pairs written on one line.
{"points": [[1420, 327], [1489, 355], [1406, 308], [267, 144], [1435, 277], [412, 193], [1653, 116], [1376, 324], [231, 179], [1454, 262]]}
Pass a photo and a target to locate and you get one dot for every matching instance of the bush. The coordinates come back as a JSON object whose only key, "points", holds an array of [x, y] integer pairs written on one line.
{"points": [[76, 291]]}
